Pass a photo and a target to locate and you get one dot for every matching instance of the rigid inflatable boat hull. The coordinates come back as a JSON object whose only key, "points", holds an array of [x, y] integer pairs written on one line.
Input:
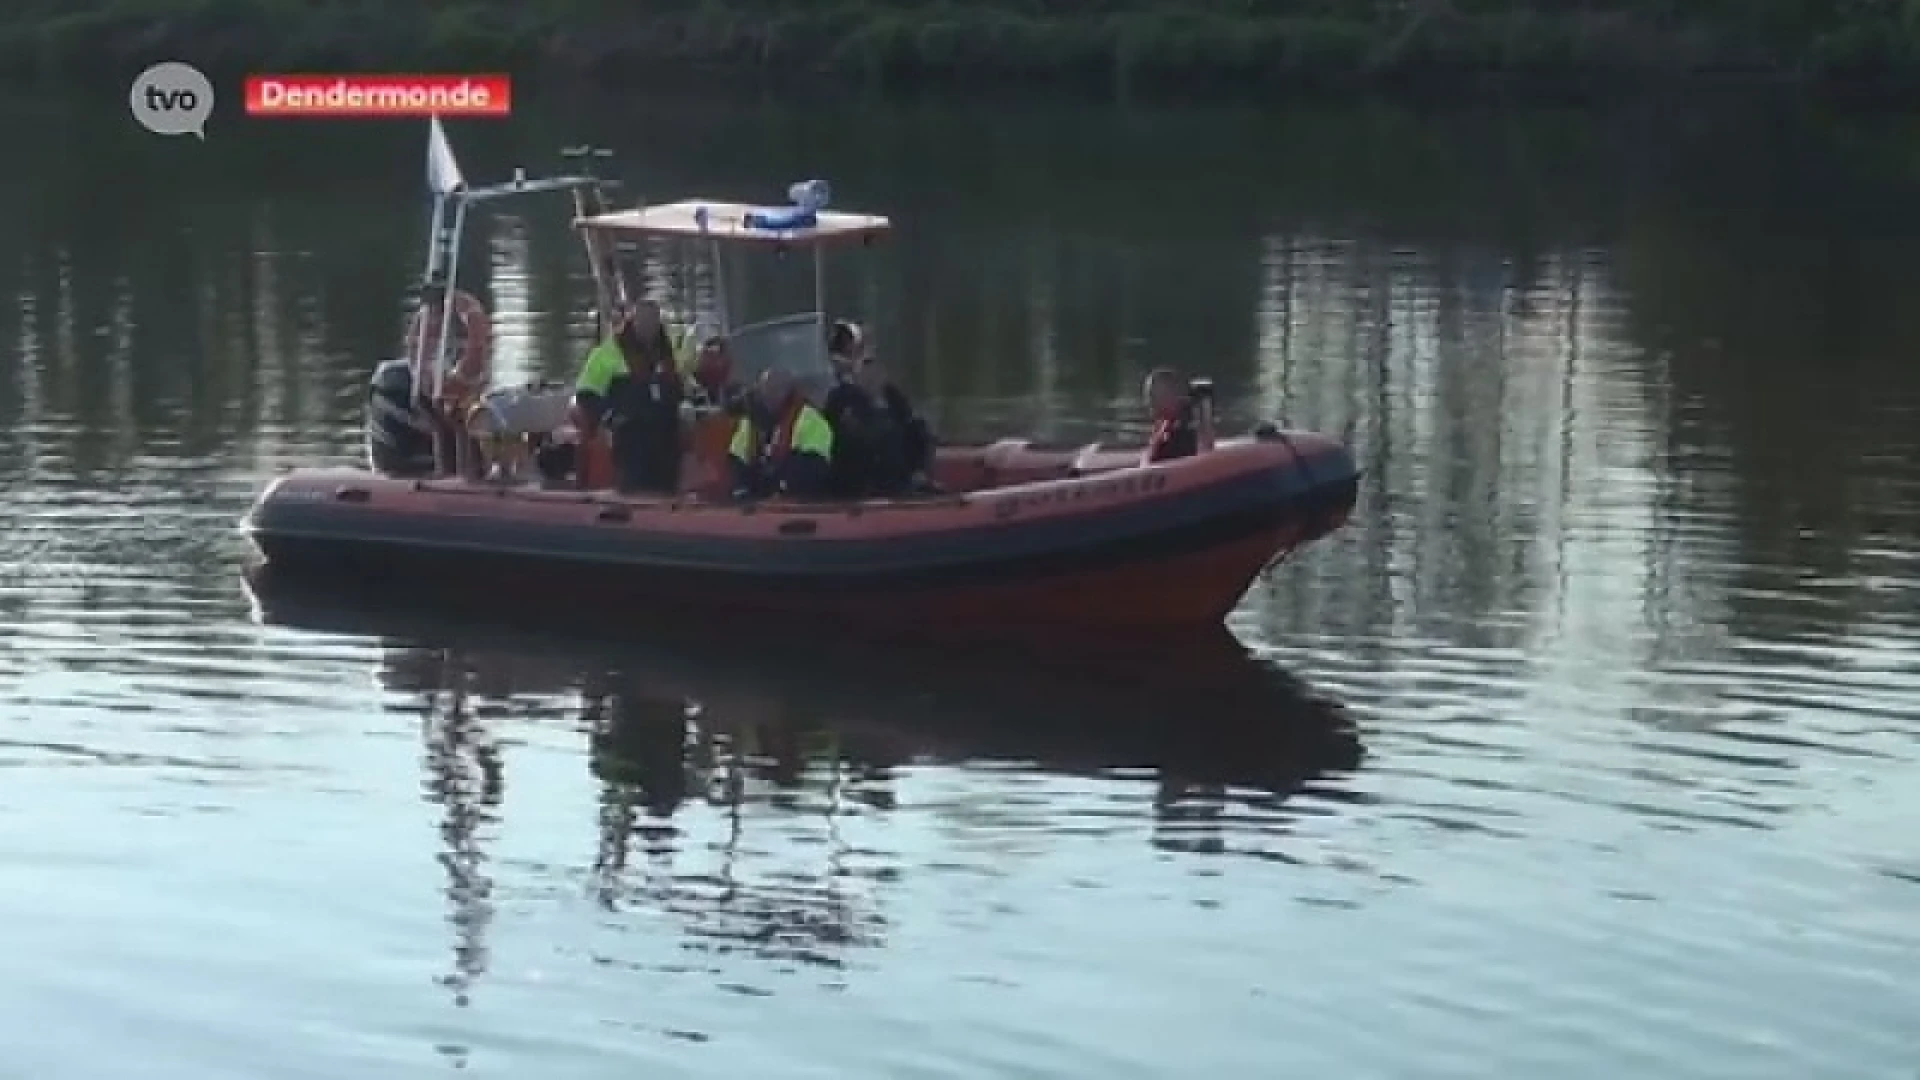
{"points": [[1162, 547]]}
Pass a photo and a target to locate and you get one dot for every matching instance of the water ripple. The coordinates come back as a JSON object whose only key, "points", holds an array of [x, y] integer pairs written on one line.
{"points": [[1585, 749]]}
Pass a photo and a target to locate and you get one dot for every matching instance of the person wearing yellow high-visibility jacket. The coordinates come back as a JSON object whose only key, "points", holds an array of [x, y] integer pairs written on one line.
{"points": [[631, 388], [783, 445]]}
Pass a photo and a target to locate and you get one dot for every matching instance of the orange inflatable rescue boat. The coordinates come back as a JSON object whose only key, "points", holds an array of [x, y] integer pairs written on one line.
{"points": [[1022, 536]]}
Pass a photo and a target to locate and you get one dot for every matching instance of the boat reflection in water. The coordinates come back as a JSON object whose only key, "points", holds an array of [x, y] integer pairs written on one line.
{"points": [[741, 724]]}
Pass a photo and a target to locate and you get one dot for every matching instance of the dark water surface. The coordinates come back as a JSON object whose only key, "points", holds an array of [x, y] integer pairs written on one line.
{"points": [[1588, 750]]}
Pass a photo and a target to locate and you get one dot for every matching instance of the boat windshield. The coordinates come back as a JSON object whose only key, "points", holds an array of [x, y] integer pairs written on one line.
{"points": [[797, 341], [794, 342]]}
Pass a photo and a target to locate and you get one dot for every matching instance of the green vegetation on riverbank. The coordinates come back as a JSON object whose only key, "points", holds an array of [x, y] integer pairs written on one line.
{"points": [[1242, 46]]}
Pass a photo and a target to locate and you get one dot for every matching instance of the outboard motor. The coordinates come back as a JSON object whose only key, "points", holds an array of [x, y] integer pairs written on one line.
{"points": [[399, 437], [1200, 397]]}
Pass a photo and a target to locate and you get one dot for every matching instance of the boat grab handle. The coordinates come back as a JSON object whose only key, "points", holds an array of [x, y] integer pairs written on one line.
{"points": [[615, 515], [801, 527]]}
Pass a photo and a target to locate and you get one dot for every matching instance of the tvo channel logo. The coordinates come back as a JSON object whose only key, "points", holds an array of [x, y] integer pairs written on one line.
{"points": [[172, 99]]}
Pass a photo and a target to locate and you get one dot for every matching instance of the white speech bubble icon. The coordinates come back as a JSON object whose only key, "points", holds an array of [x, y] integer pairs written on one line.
{"points": [[172, 99]]}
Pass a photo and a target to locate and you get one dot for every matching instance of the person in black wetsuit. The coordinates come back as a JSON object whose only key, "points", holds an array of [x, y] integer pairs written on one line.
{"points": [[882, 447], [631, 385]]}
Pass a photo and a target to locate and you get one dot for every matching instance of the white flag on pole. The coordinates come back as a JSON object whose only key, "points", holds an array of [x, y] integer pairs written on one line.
{"points": [[443, 172]]}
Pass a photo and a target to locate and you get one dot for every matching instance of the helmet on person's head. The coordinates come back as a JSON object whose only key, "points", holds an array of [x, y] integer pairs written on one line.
{"points": [[845, 338]]}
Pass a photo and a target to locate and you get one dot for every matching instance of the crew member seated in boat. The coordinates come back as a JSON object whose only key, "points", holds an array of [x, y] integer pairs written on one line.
{"points": [[884, 448], [712, 376], [782, 444], [631, 387], [1176, 431]]}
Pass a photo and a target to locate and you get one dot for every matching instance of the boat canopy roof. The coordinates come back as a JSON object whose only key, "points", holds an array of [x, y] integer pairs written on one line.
{"points": [[729, 221]]}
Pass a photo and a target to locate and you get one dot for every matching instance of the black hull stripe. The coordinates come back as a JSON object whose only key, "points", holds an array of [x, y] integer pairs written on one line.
{"points": [[1270, 498]]}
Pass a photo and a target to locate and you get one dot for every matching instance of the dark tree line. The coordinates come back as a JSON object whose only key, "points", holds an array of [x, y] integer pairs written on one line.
{"points": [[1219, 44]]}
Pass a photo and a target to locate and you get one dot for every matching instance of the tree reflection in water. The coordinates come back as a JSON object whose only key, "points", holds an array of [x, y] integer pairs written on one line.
{"points": [[653, 752], [726, 770], [465, 778]]}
